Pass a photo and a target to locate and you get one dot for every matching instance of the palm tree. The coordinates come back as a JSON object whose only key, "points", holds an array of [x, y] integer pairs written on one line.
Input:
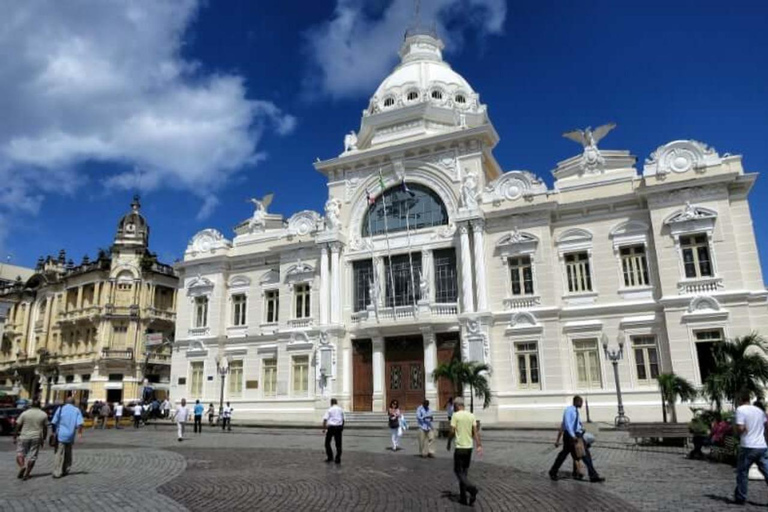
{"points": [[740, 365], [671, 387], [472, 374]]}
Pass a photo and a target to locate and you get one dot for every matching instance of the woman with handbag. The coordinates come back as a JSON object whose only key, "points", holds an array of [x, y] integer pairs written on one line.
{"points": [[394, 416]]}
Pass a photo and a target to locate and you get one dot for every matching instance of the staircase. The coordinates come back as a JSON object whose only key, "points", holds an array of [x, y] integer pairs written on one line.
{"points": [[379, 419]]}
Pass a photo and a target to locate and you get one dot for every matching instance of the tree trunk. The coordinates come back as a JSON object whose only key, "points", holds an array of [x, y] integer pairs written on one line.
{"points": [[673, 410], [663, 408], [471, 399]]}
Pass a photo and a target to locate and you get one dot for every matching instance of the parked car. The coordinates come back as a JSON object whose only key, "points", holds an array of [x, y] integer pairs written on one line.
{"points": [[8, 420]]}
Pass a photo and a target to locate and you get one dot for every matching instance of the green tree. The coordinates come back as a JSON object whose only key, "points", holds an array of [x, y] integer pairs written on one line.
{"points": [[461, 374], [740, 364], [671, 387]]}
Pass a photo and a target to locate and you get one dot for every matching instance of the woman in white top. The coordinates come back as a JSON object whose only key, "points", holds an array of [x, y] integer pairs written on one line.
{"points": [[394, 423]]}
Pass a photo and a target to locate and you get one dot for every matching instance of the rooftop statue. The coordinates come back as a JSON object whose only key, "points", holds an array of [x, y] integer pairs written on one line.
{"points": [[261, 210], [591, 160]]}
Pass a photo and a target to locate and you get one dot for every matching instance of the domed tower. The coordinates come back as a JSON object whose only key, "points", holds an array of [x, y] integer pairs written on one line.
{"points": [[423, 96], [133, 230]]}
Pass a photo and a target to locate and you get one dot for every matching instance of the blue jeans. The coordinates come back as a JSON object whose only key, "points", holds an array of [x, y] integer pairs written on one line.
{"points": [[747, 457]]}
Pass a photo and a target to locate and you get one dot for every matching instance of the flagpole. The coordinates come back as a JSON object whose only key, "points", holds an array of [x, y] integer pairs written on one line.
{"points": [[410, 257], [389, 251], [373, 262]]}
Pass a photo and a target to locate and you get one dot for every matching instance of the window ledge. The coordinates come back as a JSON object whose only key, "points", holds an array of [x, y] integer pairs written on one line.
{"points": [[301, 323], [522, 302], [580, 298], [636, 292], [699, 285], [198, 331], [237, 331]]}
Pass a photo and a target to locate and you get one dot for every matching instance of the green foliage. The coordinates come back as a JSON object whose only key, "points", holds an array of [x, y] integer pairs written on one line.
{"points": [[740, 364], [672, 387], [461, 374]]}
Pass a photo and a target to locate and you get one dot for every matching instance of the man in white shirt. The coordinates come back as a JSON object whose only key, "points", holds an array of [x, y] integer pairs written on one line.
{"points": [[166, 408], [118, 414], [750, 424], [181, 416], [226, 418], [333, 425]]}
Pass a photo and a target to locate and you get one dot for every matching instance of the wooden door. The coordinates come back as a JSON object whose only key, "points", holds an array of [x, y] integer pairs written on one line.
{"points": [[447, 348], [405, 371], [362, 375]]}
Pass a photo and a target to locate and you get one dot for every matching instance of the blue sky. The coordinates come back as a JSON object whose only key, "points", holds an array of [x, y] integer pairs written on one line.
{"points": [[201, 105]]}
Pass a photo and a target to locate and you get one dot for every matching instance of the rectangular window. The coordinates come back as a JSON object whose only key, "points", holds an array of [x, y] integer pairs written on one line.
{"points": [[236, 377], [696, 259], [587, 363], [272, 300], [196, 379], [446, 277], [403, 273], [521, 273], [634, 266], [363, 281], [201, 311], [270, 377], [705, 343], [578, 273], [301, 297], [300, 375], [646, 358], [527, 365], [239, 306]]}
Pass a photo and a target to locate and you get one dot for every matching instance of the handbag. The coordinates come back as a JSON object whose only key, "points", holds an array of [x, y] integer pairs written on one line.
{"points": [[579, 450], [394, 422]]}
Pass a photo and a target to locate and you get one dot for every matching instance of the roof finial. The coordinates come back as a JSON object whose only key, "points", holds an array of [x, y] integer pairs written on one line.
{"points": [[135, 205], [417, 13]]}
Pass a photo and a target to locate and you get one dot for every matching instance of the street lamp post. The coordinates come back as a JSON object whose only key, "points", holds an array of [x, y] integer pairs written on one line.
{"points": [[615, 356], [222, 367]]}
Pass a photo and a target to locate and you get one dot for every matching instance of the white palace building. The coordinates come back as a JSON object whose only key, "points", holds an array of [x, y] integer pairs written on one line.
{"points": [[426, 249]]}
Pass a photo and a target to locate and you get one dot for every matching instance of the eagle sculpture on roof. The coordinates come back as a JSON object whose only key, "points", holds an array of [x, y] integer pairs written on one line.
{"points": [[589, 137]]}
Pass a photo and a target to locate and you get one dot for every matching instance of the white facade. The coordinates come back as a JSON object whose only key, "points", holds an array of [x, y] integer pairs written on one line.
{"points": [[531, 280]]}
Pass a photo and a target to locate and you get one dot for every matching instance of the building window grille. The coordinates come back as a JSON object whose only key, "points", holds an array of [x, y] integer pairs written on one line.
{"points": [[196, 379], [696, 257], [236, 377], [398, 209], [460, 98], [446, 278], [521, 274], [413, 95], [201, 311], [389, 102], [300, 375], [578, 273], [270, 377], [587, 363], [402, 272], [527, 365], [437, 95], [363, 280], [301, 298], [239, 306], [646, 358], [634, 266], [272, 300]]}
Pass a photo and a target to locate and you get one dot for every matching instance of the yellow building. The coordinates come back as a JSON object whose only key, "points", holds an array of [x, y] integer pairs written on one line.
{"points": [[95, 331]]}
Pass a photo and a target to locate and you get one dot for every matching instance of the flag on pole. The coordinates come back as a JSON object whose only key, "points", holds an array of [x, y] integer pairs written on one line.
{"points": [[381, 182], [370, 198]]}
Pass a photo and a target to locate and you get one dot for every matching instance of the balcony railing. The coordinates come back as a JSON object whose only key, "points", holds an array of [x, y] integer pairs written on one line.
{"points": [[111, 310], [198, 331], [406, 313], [87, 312], [444, 309], [301, 323], [159, 359], [700, 285], [160, 314], [119, 354], [523, 302]]}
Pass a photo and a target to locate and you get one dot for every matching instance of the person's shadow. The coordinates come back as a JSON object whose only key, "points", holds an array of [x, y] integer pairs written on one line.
{"points": [[730, 501], [450, 496]]}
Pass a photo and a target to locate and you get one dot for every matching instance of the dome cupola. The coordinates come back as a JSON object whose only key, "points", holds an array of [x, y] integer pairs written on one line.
{"points": [[133, 230]]}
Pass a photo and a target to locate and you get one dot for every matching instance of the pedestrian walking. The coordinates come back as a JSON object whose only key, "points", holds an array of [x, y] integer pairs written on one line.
{"points": [[226, 418], [166, 408], [104, 412], [118, 414], [424, 418], [29, 436], [211, 414], [199, 409], [137, 411], [466, 434], [449, 413], [393, 418], [67, 420], [573, 442], [95, 413], [750, 424], [181, 417], [333, 426]]}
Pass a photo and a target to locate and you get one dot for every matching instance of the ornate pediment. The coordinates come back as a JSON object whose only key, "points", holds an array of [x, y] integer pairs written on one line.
{"points": [[239, 282], [517, 237], [271, 276], [199, 283], [512, 186], [681, 156], [691, 213], [303, 223], [299, 269], [207, 240]]}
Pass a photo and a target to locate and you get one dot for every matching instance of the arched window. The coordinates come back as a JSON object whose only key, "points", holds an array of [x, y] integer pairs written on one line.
{"points": [[400, 208]]}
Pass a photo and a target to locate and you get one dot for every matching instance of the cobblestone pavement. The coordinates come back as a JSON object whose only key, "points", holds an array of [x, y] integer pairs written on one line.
{"points": [[270, 469]]}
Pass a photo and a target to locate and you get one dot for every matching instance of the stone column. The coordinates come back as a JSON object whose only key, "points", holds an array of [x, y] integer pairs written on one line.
{"points": [[480, 282], [430, 362], [379, 369], [381, 275], [79, 297], [335, 284], [324, 284], [467, 297], [347, 369]]}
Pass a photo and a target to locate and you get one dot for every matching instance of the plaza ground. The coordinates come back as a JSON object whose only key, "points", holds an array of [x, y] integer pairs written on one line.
{"points": [[283, 469]]}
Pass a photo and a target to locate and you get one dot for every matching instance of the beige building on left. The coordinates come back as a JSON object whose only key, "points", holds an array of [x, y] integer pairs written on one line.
{"points": [[97, 330]]}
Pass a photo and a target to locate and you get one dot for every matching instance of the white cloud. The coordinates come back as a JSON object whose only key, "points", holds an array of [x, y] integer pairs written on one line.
{"points": [[356, 49], [105, 81]]}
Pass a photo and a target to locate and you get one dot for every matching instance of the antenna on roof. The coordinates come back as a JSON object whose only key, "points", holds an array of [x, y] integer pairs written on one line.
{"points": [[417, 13], [416, 27]]}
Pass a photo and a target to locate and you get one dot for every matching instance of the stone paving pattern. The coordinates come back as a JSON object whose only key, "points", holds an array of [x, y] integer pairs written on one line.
{"points": [[271, 469]]}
